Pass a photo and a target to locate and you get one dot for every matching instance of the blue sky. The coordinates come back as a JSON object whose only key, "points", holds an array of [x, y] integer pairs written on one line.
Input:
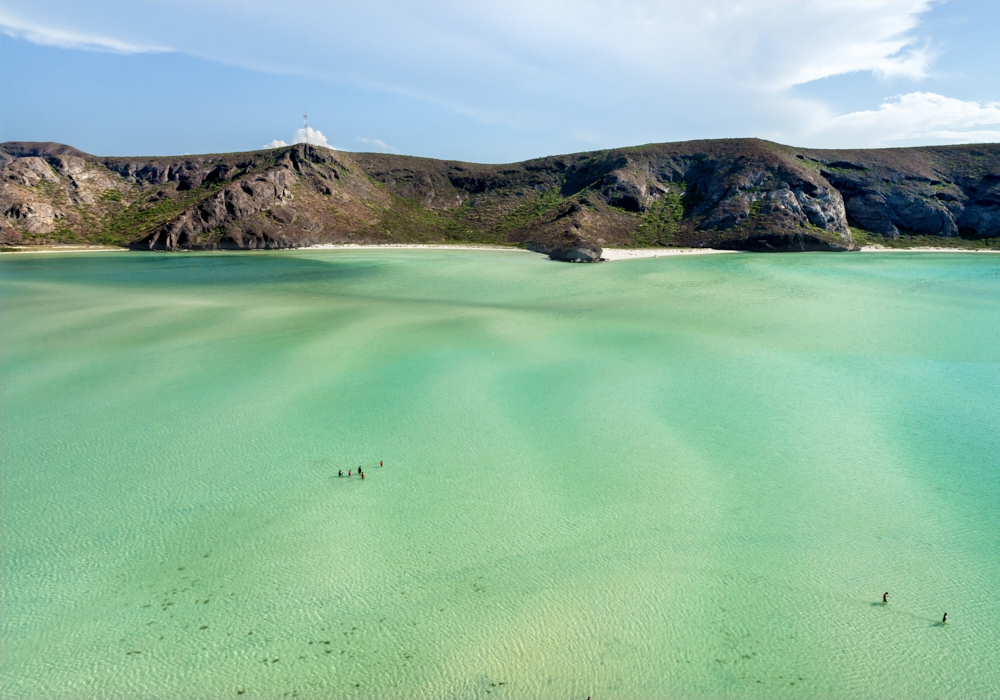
{"points": [[495, 81]]}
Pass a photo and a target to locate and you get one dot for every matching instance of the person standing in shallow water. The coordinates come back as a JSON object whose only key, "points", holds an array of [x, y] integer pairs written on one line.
{"points": [[944, 619], [885, 598], [381, 463]]}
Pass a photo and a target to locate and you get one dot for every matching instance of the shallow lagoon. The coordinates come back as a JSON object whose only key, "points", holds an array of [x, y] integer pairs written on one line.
{"points": [[657, 478]]}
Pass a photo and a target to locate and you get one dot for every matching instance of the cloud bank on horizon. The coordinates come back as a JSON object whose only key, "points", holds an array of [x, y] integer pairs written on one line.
{"points": [[574, 75]]}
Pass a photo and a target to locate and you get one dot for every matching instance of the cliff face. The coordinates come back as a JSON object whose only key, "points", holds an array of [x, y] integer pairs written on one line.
{"points": [[737, 194], [933, 191]]}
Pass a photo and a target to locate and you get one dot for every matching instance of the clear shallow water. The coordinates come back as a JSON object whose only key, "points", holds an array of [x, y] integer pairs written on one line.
{"points": [[656, 478]]}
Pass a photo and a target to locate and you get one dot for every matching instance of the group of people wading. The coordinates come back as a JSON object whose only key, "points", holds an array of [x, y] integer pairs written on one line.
{"points": [[350, 472]]}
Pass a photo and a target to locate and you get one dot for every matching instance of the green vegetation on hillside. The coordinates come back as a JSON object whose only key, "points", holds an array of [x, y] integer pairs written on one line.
{"points": [[661, 222], [528, 213], [134, 221], [408, 220]]}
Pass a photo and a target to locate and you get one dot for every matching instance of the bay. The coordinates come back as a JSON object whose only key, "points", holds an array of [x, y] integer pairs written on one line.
{"points": [[688, 476]]}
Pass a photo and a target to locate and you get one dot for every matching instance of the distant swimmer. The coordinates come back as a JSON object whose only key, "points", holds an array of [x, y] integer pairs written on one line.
{"points": [[348, 472], [885, 597], [340, 472], [362, 475], [381, 463], [944, 619]]}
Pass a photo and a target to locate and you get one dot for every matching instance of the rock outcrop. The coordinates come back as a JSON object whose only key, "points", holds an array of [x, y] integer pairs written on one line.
{"points": [[946, 191], [238, 211], [732, 193], [582, 252]]}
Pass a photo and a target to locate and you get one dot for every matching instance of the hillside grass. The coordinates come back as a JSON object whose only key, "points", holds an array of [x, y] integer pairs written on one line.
{"points": [[532, 211], [661, 222], [408, 220], [148, 212]]}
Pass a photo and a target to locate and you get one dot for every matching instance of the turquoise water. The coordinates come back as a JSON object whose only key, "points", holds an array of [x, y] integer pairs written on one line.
{"points": [[673, 477]]}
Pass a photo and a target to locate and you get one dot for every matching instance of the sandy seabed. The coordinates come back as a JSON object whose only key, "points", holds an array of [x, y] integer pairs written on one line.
{"points": [[714, 516]]}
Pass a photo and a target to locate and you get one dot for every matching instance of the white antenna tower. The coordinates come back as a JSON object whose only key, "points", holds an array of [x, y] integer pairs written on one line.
{"points": [[305, 127]]}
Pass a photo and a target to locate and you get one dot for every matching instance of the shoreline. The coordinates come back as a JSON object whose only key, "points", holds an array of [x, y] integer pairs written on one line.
{"points": [[608, 254], [612, 254], [427, 246], [923, 249], [14, 250], [615, 254]]}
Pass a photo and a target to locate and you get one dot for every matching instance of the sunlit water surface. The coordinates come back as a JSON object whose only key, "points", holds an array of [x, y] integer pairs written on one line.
{"points": [[658, 478]]}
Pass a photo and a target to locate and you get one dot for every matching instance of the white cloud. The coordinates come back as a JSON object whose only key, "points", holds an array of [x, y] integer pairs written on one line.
{"points": [[305, 135], [378, 143], [583, 73], [916, 116], [311, 136], [837, 38], [476, 57], [18, 28]]}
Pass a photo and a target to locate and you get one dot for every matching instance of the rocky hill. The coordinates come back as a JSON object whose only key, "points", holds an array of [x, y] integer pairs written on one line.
{"points": [[743, 194]]}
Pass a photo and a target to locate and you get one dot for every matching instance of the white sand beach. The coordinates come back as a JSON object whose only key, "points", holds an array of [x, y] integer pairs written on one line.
{"points": [[633, 253], [922, 249], [427, 246], [11, 250], [609, 254]]}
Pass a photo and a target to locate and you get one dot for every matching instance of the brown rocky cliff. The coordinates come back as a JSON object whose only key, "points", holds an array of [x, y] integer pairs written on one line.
{"points": [[730, 193]]}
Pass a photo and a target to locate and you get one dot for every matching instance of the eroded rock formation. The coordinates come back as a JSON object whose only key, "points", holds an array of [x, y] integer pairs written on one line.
{"points": [[731, 193]]}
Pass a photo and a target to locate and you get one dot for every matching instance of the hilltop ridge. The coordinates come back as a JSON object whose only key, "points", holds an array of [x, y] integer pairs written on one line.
{"points": [[742, 194]]}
